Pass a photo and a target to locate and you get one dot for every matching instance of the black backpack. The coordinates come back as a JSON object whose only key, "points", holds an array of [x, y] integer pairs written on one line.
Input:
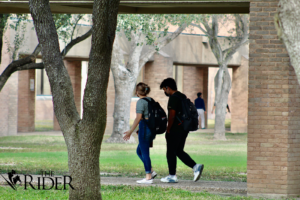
{"points": [[189, 115], [157, 122]]}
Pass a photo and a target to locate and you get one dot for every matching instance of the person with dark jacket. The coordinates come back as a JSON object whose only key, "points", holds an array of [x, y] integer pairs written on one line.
{"points": [[200, 105], [175, 135]]}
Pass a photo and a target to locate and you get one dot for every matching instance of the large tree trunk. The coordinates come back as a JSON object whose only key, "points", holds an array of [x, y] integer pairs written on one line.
{"points": [[288, 27], [83, 156], [222, 88], [123, 94], [124, 80], [84, 136]]}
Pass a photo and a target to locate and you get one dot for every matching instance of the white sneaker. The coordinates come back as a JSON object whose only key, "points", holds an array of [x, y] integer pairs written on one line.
{"points": [[198, 171], [153, 174], [145, 181], [169, 179]]}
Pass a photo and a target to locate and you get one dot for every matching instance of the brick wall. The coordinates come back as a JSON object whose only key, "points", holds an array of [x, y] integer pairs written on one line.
{"points": [[8, 97], [74, 71], [110, 104], [239, 100], [26, 101], [195, 79], [155, 72], [273, 112]]}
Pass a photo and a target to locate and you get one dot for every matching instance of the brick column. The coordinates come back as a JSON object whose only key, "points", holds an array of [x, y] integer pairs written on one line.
{"points": [[155, 73], [205, 92], [273, 111], [26, 101], [111, 104], [74, 71], [195, 79], [239, 100]]}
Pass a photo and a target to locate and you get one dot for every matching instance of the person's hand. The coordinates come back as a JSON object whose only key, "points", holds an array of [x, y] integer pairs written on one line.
{"points": [[127, 135], [205, 112]]}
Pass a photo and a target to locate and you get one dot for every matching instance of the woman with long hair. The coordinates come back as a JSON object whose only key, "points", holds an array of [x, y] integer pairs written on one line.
{"points": [[144, 133]]}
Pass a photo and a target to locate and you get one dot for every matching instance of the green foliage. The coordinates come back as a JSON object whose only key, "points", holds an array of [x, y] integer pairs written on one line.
{"points": [[152, 26], [17, 25], [66, 25]]}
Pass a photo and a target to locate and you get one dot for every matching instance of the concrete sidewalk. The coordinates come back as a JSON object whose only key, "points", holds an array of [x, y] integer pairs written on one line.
{"points": [[216, 187], [220, 187]]}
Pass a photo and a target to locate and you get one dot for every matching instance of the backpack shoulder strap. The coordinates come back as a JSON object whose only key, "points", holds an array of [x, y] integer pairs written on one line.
{"points": [[147, 99]]}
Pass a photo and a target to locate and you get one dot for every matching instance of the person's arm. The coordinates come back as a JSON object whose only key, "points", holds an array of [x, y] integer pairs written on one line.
{"points": [[134, 125], [171, 119]]}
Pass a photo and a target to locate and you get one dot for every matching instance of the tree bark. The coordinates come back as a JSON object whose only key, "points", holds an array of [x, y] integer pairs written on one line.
{"points": [[287, 23], [84, 136], [124, 80], [222, 88]]}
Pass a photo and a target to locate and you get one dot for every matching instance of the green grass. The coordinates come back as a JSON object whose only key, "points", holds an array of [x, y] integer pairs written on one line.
{"points": [[224, 160], [115, 193], [211, 123], [43, 125]]}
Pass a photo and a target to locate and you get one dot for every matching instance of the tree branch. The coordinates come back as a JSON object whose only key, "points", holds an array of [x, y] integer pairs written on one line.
{"points": [[228, 53], [79, 18], [27, 62], [74, 42], [144, 58], [198, 26]]}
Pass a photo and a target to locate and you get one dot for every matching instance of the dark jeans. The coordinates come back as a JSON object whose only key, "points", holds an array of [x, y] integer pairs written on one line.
{"points": [[175, 146], [145, 138]]}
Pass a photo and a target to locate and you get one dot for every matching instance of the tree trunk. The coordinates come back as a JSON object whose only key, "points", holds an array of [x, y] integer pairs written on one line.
{"points": [[82, 136], [222, 88], [83, 157], [288, 27], [123, 94], [124, 80]]}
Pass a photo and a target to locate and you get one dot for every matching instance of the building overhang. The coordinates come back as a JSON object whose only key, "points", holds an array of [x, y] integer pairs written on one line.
{"points": [[138, 6]]}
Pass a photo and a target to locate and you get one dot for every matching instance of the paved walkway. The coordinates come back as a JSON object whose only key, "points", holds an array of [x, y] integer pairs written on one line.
{"points": [[219, 187]]}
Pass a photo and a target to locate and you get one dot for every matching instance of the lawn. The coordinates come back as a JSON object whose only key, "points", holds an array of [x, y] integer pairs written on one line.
{"points": [[223, 160], [116, 193]]}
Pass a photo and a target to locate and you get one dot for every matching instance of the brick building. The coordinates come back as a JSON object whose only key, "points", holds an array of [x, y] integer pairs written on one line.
{"points": [[273, 112], [187, 59]]}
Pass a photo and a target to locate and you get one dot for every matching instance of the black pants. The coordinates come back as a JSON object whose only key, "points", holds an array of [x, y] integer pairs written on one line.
{"points": [[175, 146]]}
